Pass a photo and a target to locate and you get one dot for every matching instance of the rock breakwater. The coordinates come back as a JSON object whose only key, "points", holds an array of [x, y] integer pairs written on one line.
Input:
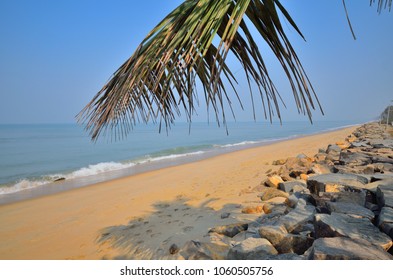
{"points": [[337, 204]]}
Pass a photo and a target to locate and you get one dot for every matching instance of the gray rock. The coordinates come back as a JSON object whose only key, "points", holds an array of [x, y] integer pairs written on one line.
{"points": [[320, 169], [288, 186], [230, 230], [361, 144], [273, 233], [387, 178], [341, 225], [381, 143], [251, 249], [195, 250], [225, 215], [385, 195], [351, 209], [342, 248], [354, 158], [302, 214], [380, 159], [350, 197], [294, 243], [333, 149], [385, 221], [269, 193], [318, 183]]}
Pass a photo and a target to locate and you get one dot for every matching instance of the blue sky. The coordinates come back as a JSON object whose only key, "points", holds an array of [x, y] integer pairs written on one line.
{"points": [[55, 55]]}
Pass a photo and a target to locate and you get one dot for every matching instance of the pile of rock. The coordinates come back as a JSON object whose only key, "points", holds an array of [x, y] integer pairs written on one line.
{"points": [[335, 205]]}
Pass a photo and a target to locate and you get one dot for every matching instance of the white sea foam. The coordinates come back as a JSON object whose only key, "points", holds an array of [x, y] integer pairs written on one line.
{"points": [[90, 170]]}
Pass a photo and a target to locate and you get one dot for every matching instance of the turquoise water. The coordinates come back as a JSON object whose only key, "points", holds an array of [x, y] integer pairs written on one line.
{"points": [[34, 155]]}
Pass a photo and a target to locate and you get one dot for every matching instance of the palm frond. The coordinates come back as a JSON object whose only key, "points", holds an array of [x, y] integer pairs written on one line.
{"points": [[382, 4], [158, 82]]}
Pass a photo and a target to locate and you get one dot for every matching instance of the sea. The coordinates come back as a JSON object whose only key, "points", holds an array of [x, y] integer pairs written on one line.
{"points": [[62, 156]]}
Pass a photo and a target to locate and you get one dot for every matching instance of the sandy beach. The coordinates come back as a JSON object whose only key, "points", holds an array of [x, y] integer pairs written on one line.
{"points": [[146, 213]]}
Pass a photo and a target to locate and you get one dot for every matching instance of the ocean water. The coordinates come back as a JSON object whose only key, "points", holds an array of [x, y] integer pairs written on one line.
{"points": [[36, 155]]}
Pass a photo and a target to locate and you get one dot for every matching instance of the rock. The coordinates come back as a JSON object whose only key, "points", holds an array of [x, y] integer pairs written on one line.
{"points": [[303, 177], [350, 197], [253, 210], [318, 183], [195, 250], [343, 145], [333, 149], [385, 195], [385, 221], [333, 153], [354, 158], [225, 215], [381, 143], [273, 233], [230, 230], [320, 157], [320, 169], [351, 209], [288, 186], [296, 166], [274, 181], [380, 159], [251, 249], [300, 189], [292, 201], [342, 225], [277, 208], [292, 243], [342, 248], [59, 179], [302, 214], [269, 193], [174, 249], [385, 178], [279, 162], [371, 206]]}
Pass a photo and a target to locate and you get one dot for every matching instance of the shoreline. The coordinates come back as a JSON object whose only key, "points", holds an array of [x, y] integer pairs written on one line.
{"points": [[174, 203], [143, 167]]}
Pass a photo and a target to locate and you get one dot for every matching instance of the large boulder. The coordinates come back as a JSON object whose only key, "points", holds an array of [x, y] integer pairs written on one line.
{"points": [[302, 214], [320, 183], [289, 186], [343, 248], [341, 225], [354, 158], [351, 209], [294, 243], [385, 221], [274, 181], [251, 249], [385, 195], [269, 193], [230, 230], [273, 233], [195, 250]]}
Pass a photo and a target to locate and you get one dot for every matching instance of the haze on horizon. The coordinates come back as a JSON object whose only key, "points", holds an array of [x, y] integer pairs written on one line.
{"points": [[55, 56]]}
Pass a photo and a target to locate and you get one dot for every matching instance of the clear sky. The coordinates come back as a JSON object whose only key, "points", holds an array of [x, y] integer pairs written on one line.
{"points": [[55, 55]]}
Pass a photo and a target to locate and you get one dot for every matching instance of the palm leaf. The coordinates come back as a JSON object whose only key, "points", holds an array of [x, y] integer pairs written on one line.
{"points": [[158, 82]]}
